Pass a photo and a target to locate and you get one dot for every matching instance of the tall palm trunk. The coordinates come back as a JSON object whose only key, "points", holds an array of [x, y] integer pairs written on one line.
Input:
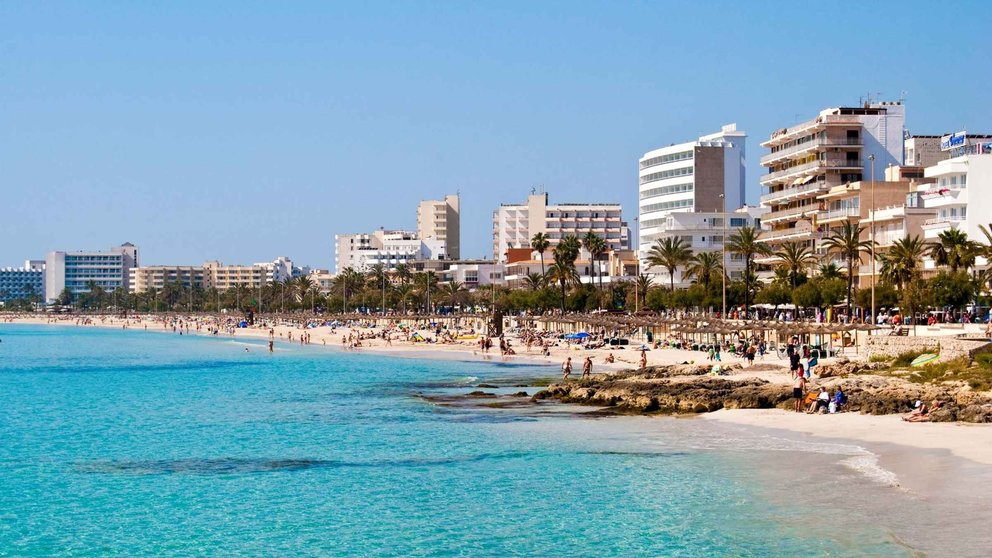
{"points": [[850, 287]]}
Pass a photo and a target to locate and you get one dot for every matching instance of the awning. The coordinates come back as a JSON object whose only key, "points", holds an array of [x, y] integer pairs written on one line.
{"points": [[798, 181]]}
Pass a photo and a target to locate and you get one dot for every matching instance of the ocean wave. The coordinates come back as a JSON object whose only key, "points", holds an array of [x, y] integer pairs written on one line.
{"points": [[867, 465]]}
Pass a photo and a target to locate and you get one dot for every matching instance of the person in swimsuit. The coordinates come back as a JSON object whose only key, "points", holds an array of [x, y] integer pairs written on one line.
{"points": [[644, 359], [587, 368], [799, 389], [566, 368]]}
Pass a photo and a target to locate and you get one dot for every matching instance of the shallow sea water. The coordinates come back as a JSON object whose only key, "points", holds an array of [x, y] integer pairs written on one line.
{"points": [[153, 444]]}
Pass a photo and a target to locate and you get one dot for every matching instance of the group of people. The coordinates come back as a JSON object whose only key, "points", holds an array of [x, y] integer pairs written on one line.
{"points": [[566, 368]]}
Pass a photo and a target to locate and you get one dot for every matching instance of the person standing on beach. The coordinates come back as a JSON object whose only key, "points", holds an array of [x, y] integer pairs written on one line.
{"points": [[644, 359], [587, 368], [799, 389], [566, 368]]}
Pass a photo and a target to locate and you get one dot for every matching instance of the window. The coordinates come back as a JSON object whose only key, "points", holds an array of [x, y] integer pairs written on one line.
{"points": [[670, 158], [665, 190], [737, 221], [656, 176], [678, 204]]}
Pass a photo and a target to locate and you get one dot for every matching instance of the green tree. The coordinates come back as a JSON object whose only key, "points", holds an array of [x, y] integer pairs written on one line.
{"points": [[901, 263], [562, 270], [953, 289], [747, 244], [669, 253], [954, 250], [540, 243], [705, 268], [847, 242], [794, 258], [597, 248]]}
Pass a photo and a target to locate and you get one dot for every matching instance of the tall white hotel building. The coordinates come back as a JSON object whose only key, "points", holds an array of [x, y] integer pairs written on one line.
{"points": [[690, 177]]}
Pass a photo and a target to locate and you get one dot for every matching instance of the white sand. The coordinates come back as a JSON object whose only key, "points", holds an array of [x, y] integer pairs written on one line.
{"points": [[969, 441]]}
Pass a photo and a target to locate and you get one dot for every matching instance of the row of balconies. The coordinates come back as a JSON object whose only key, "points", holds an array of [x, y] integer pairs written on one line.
{"points": [[812, 167], [809, 145]]}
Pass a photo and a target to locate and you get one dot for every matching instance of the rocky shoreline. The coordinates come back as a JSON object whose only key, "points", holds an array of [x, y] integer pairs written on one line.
{"points": [[691, 389]]}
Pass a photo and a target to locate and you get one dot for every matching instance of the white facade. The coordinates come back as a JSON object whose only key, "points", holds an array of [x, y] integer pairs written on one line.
{"points": [[690, 177], [76, 271], [960, 197], [389, 248], [704, 232], [475, 274], [515, 224]]}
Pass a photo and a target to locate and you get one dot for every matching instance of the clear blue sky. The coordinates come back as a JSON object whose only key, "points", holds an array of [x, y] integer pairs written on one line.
{"points": [[242, 131]]}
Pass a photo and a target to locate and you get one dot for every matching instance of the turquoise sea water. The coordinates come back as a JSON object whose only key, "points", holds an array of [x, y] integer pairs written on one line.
{"points": [[152, 444]]}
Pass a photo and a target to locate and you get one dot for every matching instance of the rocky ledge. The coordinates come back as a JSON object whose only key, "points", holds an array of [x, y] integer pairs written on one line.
{"points": [[688, 389]]}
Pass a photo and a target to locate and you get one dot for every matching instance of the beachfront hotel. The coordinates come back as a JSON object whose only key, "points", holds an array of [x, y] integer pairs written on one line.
{"points": [[515, 224], [76, 271], [213, 274], [833, 149], [389, 248], [705, 231], [441, 220], [23, 282], [968, 168], [705, 175]]}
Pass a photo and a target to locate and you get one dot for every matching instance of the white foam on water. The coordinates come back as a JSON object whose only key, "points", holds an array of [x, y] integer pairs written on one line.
{"points": [[867, 465]]}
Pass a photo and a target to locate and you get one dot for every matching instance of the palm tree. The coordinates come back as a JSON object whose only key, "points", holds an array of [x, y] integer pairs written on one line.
{"points": [[794, 258], [704, 266], [670, 253], [287, 283], [596, 246], [829, 271], [747, 244], [540, 243], [348, 280], [427, 281], [303, 284], [954, 249], [534, 281], [562, 271], [847, 242], [642, 286], [901, 263], [453, 292], [403, 273], [404, 292]]}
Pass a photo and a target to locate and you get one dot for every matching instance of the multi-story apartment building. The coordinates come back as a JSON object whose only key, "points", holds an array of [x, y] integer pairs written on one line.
{"points": [[475, 273], [76, 271], [703, 175], [23, 282], [213, 274], [441, 220], [389, 248], [704, 231], [515, 224], [889, 210], [840, 146], [158, 276], [958, 195]]}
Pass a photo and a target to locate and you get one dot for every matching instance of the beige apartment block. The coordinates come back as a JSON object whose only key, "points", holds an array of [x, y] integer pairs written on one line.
{"points": [[515, 224], [441, 220]]}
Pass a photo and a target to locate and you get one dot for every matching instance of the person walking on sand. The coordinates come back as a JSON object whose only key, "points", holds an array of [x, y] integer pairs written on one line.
{"points": [[587, 368], [644, 359], [799, 389], [566, 368]]}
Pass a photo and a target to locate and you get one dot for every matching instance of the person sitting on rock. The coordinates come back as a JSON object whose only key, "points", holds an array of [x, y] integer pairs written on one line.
{"points": [[922, 412], [839, 400], [821, 403]]}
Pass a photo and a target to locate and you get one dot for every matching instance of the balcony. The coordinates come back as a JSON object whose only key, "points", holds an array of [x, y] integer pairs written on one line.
{"points": [[796, 192], [790, 213], [782, 235], [838, 214], [788, 134], [942, 223], [809, 145], [812, 167]]}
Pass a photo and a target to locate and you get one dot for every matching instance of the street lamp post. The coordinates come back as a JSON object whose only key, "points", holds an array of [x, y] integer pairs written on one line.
{"points": [[872, 236], [723, 257]]}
